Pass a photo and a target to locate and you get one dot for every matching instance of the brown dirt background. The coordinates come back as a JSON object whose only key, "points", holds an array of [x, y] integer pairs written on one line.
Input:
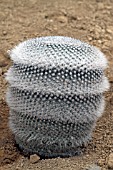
{"points": [[87, 20]]}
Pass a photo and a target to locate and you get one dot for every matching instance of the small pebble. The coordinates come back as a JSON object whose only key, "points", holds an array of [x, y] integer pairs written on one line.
{"points": [[62, 19], [100, 5], [34, 158], [94, 167], [90, 38], [0, 71], [110, 161], [4, 33], [109, 31], [101, 162]]}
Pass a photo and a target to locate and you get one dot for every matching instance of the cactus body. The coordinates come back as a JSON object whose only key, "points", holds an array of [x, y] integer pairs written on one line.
{"points": [[55, 94]]}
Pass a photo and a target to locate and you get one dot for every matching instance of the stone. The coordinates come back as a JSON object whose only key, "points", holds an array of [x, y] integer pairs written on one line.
{"points": [[34, 158], [0, 71], [94, 167], [99, 41], [100, 5], [62, 19], [109, 30], [90, 38], [101, 162], [4, 33], [110, 161]]}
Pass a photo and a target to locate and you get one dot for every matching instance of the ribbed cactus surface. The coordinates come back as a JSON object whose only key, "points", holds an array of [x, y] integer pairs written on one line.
{"points": [[55, 94]]}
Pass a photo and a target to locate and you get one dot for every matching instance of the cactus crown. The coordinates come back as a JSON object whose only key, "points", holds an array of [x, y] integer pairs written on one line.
{"points": [[63, 52]]}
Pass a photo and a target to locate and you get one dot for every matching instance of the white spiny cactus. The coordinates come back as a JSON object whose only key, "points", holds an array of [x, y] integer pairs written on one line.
{"points": [[55, 94]]}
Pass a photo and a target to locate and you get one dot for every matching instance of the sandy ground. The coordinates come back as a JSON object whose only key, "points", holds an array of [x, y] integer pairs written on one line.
{"points": [[90, 21]]}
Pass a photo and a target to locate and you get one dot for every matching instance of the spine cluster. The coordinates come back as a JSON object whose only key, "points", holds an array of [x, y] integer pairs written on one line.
{"points": [[55, 94]]}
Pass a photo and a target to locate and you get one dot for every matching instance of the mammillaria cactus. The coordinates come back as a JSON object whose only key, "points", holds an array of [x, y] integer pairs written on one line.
{"points": [[55, 94]]}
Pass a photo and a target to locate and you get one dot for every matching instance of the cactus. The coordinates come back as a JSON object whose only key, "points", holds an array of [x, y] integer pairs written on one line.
{"points": [[55, 94]]}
